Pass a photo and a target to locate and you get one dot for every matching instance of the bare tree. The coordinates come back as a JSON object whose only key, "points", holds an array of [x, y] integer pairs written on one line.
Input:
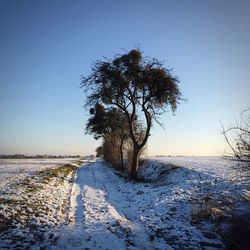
{"points": [[238, 136]]}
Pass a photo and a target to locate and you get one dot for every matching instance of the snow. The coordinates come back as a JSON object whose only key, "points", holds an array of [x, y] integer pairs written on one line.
{"points": [[109, 212], [13, 170], [32, 203], [208, 176], [102, 210]]}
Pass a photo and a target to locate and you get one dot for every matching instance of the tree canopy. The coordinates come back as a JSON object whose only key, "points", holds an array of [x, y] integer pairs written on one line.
{"points": [[138, 87]]}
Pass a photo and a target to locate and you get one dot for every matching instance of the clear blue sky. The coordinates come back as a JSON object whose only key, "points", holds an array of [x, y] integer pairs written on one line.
{"points": [[45, 47]]}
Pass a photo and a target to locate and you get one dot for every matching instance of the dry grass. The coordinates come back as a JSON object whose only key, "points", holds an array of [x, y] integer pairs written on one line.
{"points": [[207, 208], [20, 209], [221, 212]]}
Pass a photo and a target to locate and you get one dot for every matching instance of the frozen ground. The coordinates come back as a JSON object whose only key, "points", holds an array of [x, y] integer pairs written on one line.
{"points": [[222, 168], [33, 199], [178, 206], [108, 212], [14, 170], [205, 175]]}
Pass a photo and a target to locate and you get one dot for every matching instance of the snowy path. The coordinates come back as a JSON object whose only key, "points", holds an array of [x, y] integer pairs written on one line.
{"points": [[94, 221], [108, 212]]}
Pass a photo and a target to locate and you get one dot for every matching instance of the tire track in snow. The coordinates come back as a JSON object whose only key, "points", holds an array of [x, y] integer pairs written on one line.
{"points": [[71, 234]]}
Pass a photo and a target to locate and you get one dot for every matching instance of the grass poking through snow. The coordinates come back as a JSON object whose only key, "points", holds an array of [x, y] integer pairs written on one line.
{"points": [[32, 207]]}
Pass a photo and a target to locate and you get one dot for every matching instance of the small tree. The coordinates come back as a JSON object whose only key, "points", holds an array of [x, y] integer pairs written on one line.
{"points": [[112, 126], [139, 87]]}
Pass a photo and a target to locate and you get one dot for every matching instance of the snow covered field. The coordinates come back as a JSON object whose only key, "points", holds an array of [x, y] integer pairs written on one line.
{"points": [[183, 203], [33, 197], [207, 176], [13, 170]]}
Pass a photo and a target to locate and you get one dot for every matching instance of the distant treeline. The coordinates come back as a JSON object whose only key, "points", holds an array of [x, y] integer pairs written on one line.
{"points": [[22, 156], [169, 156]]}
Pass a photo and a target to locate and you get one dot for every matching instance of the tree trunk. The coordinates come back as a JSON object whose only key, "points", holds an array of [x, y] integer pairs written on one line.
{"points": [[135, 164], [121, 154]]}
